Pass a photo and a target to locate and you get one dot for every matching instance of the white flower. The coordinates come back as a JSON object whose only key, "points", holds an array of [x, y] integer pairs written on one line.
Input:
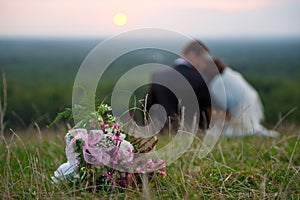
{"points": [[123, 136], [126, 149]]}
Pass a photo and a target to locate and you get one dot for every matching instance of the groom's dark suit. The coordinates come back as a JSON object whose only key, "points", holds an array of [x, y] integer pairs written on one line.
{"points": [[159, 94]]}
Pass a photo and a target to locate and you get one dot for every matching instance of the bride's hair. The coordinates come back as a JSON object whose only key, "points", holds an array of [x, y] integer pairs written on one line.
{"points": [[195, 46], [211, 71], [220, 65]]}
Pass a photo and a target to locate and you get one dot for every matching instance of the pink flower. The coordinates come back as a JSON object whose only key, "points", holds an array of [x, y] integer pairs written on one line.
{"points": [[162, 173], [140, 170], [151, 165], [116, 126], [101, 124], [93, 153], [117, 138], [113, 161], [92, 123], [108, 175], [160, 162]]}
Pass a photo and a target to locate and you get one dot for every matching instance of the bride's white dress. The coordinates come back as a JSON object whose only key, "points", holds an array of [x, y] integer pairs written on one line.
{"points": [[242, 102]]}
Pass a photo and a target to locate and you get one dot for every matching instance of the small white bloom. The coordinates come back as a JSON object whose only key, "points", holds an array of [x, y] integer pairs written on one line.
{"points": [[123, 136]]}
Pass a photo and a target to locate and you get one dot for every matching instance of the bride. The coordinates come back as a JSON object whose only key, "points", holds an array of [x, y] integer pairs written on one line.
{"points": [[243, 107]]}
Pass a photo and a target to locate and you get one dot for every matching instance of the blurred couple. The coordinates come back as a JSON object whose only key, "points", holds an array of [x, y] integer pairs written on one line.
{"points": [[208, 77]]}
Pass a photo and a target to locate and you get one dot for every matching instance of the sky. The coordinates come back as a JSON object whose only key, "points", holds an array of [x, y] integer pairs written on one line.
{"points": [[95, 18]]}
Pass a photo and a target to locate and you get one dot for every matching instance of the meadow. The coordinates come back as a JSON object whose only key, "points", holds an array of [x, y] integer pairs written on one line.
{"points": [[237, 168], [40, 76]]}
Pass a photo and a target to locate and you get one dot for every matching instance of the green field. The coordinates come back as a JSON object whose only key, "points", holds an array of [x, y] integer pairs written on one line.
{"points": [[237, 168], [41, 73]]}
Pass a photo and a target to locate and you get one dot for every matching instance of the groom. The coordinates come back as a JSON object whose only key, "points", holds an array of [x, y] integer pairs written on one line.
{"points": [[188, 66]]}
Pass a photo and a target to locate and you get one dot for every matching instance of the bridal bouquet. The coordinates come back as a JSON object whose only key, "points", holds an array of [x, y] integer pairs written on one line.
{"points": [[101, 152]]}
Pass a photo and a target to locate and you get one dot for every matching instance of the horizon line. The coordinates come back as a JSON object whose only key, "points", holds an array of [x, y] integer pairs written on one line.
{"points": [[103, 37]]}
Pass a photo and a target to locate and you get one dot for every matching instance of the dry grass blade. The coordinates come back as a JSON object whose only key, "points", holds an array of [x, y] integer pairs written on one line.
{"points": [[3, 106]]}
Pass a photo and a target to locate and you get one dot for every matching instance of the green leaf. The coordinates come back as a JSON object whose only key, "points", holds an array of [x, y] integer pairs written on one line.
{"points": [[66, 114]]}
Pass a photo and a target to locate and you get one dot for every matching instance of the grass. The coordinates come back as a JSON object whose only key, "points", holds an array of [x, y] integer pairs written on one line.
{"points": [[237, 168], [3, 105]]}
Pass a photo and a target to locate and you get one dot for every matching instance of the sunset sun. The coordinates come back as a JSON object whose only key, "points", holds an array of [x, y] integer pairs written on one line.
{"points": [[120, 19]]}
